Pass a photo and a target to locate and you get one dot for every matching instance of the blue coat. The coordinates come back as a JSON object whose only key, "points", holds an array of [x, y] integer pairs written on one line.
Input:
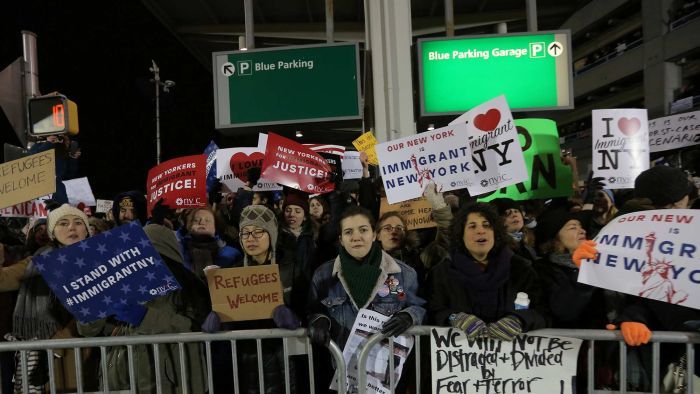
{"points": [[328, 297]]}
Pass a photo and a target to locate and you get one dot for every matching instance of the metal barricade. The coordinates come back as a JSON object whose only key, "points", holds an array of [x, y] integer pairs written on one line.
{"points": [[294, 342], [658, 337]]}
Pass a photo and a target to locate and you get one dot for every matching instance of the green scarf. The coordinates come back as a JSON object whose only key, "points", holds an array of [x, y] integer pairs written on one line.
{"points": [[361, 276]]}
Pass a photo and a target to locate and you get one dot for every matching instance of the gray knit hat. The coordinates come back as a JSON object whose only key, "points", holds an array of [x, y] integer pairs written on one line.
{"points": [[263, 217]]}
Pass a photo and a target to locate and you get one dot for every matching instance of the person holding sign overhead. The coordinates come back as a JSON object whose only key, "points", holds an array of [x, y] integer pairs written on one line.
{"points": [[39, 315], [482, 287]]}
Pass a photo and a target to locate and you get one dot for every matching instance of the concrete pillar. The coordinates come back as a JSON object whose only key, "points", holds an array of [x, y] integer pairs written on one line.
{"points": [[660, 78], [390, 39]]}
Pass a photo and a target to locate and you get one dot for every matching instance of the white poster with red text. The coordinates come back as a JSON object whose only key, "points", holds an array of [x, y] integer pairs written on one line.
{"points": [[232, 165], [620, 146], [496, 152], [652, 254]]}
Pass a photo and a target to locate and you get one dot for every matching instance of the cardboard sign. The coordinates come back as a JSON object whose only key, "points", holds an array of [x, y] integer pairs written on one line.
{"points": [[493, 140], [181, 182], [652, 254], [416, 213], [29, 209], [104, 206], [292, 164], [119, 266], [233, 164], [79, 191], [549, 177], [245, 293], [366, 143], [27, 178], [620, 146], [528, 364], [408, 164], [352, 167], [675, 131]]}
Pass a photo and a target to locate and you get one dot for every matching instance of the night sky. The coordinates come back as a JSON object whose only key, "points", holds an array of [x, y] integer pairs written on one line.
{"points": [[98, 54]]}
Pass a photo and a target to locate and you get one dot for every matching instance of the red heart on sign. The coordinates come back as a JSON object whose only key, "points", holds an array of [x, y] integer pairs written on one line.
{"points": [[629, 126], [488, 121], [241, 162]]}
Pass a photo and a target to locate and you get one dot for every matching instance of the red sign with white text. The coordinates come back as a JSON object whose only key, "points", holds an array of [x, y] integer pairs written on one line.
{"points": [[292, 164], [180, 182]]}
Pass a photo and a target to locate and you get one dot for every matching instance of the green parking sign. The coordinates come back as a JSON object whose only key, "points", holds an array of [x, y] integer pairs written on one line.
{"points": [[295, 84]]}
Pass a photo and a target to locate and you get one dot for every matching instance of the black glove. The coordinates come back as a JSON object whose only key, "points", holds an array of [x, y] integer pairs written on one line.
{"points": [[253, 175], [397, 324], [592, 187], [336, 178], [51, 204], [215, 192], [159, 212], [320, 331]]}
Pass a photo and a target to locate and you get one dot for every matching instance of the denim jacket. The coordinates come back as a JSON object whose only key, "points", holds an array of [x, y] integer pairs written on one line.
{"points": [[395, 291]]}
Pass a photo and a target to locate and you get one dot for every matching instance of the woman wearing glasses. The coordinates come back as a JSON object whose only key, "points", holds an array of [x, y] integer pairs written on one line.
{"points": [[405, 245]]}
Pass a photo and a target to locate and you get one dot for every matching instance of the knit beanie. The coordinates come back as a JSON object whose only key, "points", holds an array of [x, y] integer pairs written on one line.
{"points": [[298, 199], [263, 217], [505, 204], [662, 185], [165, 241], [133, 199], [550, 222], [65, 210]]}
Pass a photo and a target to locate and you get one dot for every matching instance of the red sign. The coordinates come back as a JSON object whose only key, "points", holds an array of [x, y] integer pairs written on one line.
{"points": [[292, 164], [181, 182]]}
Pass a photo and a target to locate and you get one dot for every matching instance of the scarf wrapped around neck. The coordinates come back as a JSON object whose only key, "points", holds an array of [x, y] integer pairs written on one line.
{"points": [[201, 251], [484, 287], [361, 275]]}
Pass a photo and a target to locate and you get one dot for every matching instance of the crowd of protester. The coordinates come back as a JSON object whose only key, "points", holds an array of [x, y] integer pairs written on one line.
{"points": [[491, 269]]}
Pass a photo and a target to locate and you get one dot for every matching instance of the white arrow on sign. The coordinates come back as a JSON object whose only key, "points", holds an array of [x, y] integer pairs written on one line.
{"points": [[228, 69], [555, 49]]}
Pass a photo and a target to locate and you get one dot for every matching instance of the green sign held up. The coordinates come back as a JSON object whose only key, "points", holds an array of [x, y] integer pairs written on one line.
{"points": [[549, 177]]}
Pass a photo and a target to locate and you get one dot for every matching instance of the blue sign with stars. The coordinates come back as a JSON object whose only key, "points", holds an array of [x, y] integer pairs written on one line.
{"points": [[115, 267]]}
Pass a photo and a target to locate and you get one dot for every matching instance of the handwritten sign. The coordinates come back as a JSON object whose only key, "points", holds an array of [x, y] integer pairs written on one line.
{"points": [[416, 213], [493, 140], [549, 177], [27, 178], [528, 364], [79, 191], [119, 266], [104, 206], [652, 254], [620, 146], [365, 143], [181, 182], [408, 164], [245, 293], [675, 131]]}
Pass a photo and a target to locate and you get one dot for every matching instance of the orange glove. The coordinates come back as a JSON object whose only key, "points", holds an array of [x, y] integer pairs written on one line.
{"points": [[635, 334], [586, 250]]}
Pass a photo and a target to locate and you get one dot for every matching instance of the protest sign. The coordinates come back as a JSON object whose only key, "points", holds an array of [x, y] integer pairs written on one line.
{"points": [[652, 254], [352, 167], [210, 153], [528, 364], [104, 205], [245, 293], [27, 178], [620, 146], [493, 140], [675, 131], [327, 148], [408, 164], [180, 182], [79, 191], [119, 266], [232, 165], [548, 175], [416, 213], [29, 209], [366, 143], [378, 372], [292, 164]]}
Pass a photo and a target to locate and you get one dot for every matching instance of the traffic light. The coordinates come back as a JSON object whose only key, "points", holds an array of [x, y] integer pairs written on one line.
{"points": [[51, 115]]}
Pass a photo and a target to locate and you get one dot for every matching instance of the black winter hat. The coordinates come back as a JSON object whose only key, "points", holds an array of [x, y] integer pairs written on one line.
{"points": [[504, 204], [132, 198], [662, 185], [550, 222]]}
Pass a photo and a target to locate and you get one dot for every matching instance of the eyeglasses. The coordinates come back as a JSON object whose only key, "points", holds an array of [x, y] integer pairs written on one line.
{"points": [[258, 233], [389, 228]]}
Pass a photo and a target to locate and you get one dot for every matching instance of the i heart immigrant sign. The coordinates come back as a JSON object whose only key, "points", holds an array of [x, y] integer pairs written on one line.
{"points": [[233, 164], [496, 153], [620, 145]]}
